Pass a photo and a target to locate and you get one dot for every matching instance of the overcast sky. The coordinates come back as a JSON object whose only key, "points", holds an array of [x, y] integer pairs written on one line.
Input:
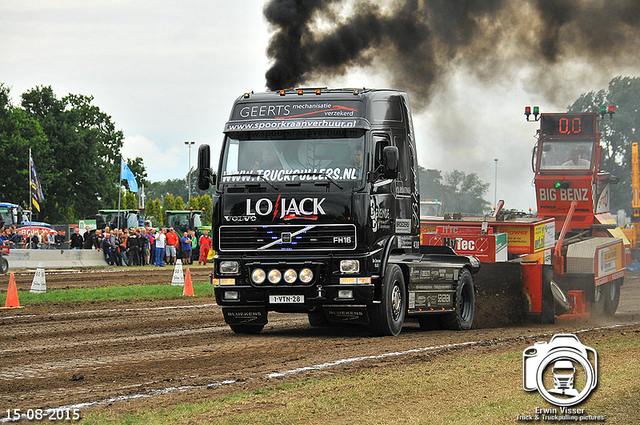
{"points": [[168, 72]]}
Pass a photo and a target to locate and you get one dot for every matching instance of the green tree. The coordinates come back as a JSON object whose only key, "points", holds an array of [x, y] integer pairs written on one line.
{"points": [[205, 204], [193, 203], [168, 204], [430, 183], [18, 134], [176, 187], [179, 203], [458, 191], [618, 133], [154, 211], [464, 193], [85, 154], [129, 201]]}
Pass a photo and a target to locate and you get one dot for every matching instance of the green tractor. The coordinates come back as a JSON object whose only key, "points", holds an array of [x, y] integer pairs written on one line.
{"points": [[183, 220]]}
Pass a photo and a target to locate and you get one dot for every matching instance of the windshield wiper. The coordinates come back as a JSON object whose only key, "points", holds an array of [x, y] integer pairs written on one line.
{"points": [[250, 175], [321, 174]]}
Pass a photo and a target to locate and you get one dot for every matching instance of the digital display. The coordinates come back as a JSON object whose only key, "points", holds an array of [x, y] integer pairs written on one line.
{"points": [[570, 125]]}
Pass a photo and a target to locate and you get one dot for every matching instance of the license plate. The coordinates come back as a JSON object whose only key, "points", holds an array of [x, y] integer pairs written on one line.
{"points": [[286, 299]]}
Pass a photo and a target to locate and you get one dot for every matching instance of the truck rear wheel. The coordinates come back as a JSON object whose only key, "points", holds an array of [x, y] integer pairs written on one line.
{"points": [[387, 317], [612, 298], [4, 265], [465, 304]]}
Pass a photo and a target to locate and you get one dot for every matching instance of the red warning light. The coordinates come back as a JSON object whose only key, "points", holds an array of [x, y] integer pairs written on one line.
{"points": [[281, 92]]}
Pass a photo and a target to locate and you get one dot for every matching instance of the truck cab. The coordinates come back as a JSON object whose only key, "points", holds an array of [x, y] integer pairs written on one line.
{"points": [[316, 210]]}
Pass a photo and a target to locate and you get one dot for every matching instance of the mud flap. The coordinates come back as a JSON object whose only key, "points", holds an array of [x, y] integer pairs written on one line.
{"points": [[346, 314], [245, 316]]}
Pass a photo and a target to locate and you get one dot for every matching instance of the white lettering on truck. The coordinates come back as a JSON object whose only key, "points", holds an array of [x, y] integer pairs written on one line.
{"points": [[285, 207], [571, 194]]}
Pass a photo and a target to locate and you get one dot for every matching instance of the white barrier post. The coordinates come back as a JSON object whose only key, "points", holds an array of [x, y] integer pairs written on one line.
{"points": [[178, 276], [39, 284]]}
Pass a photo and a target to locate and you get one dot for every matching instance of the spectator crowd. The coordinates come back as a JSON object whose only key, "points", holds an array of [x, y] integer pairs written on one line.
{"points": [[129, 247]]}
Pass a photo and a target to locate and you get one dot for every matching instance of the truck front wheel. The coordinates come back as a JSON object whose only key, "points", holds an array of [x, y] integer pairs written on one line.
{"points": [[4, 265], [387, 317], [465, 304]]}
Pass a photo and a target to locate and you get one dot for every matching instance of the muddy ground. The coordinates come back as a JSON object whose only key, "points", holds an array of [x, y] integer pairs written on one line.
{"points": [[126, 355]]}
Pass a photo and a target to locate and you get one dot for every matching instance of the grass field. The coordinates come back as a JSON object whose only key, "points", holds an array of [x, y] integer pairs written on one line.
{"points": [[114, 293], [485, 389]]}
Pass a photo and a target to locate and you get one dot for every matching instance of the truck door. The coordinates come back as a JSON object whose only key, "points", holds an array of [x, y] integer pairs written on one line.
{"points": [[383, 205]]}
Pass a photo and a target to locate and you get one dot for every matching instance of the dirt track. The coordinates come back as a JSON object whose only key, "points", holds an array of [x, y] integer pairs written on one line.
{"points": [[103, 354]]}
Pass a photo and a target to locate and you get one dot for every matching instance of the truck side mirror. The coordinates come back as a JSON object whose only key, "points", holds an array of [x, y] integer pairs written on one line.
{"points": [[204, 167], [390, 162]]}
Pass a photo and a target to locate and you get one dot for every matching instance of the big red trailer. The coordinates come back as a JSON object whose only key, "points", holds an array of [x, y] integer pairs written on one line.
{"points": [[570, 259]]}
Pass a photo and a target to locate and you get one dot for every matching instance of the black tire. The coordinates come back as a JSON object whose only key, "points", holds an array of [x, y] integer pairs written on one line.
{"points": [[461, 319], [599, 301], [247, 329], [4, 265], [612, 298], [387, 317]]}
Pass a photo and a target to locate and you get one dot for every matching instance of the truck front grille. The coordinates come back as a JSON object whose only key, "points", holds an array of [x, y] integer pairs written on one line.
{"points": [[311, 237]]}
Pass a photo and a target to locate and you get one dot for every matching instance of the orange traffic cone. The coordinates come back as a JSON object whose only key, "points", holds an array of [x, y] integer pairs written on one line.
{"points": [[12, 294], [188, 286]]}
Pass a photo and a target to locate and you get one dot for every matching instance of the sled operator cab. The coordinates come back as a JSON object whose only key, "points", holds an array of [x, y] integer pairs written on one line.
{"points": [[591, 250], [316, 210]]}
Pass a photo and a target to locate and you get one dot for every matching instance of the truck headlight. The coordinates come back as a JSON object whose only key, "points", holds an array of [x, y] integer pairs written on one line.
{"points": [[229, 267], [306, 275], [258, 276], [290, 276], [349, 266], [275, 276]]}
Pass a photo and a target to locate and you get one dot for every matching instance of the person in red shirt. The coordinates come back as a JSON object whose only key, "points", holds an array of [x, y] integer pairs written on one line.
{"points": [[205, 245], [172, 242]]}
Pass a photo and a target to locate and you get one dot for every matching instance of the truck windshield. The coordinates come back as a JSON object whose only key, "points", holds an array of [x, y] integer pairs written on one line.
{"points": [[296, 155], [559, 155]]}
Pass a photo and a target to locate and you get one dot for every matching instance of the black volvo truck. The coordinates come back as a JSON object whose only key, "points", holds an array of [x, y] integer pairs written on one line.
{"points": [[317, 210]]}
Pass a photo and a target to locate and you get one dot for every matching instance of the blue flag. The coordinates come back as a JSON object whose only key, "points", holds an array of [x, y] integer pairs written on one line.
{"points": [[126, 174]]}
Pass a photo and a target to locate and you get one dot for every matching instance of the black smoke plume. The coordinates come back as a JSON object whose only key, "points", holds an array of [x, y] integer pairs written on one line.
{"points": [[417, 42]]}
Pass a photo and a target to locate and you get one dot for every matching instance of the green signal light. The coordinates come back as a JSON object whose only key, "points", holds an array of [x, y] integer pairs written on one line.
{"points": [[558, 184], [536, 110]]}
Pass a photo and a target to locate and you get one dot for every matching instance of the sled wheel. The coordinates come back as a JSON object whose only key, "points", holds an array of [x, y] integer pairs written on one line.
{"points": [[612, 298], [599, 301]]}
